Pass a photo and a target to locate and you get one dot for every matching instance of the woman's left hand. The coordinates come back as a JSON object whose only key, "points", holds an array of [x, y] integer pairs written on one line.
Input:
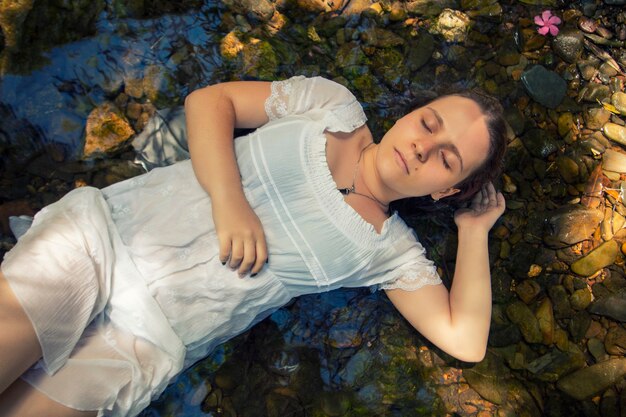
{"points": [[486, 207]]}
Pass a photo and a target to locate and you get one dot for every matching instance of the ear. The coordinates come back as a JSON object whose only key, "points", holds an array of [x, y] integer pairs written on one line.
{"points": [[438, 195]]}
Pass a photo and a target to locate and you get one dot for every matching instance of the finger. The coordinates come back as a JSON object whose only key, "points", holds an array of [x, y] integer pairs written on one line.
{"points": [[261, 256], [236, 254], [476, 199], [491, 193], [249, 255], [501, 200], [225, 247]]}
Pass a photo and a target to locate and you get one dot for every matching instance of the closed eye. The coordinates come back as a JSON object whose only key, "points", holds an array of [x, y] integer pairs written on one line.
{"points": [[426, 126], [445, 162]]}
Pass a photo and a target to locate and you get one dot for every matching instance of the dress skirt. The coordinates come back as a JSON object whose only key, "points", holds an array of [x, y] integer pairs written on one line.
{"points": [[62, 271]]}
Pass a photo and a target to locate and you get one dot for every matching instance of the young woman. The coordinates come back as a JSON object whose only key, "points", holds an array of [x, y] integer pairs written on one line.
{"points": [[111, 293]]}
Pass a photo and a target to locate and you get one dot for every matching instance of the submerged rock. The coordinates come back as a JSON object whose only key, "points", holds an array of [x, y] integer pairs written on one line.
{"points": [[618, 100], [544, 86], [615, 132], [603, 255], [613, 306], [106, 131], [593, 380], [569, 44], [614, 161], [570, 225], [453, 25], [520, 314]]}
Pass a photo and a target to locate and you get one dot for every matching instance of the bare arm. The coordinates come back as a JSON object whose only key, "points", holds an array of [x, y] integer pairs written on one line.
{"points": [[458, 321], [212, 113]]}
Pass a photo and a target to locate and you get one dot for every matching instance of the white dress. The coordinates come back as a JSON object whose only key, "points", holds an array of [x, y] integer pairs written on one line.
{"points": [[124, 286]]}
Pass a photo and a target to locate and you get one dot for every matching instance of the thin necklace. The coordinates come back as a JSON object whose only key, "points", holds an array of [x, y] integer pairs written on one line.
{"points": [[352, 189]]}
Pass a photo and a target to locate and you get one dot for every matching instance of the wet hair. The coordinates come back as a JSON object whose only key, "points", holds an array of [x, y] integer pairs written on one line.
{"points": [[490, 169]]}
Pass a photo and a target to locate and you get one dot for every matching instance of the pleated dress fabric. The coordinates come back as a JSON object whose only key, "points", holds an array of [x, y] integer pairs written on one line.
{"points": [[124, 286]]}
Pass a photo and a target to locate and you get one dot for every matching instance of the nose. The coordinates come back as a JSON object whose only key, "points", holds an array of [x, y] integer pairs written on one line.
{"points": [[422, 149]]}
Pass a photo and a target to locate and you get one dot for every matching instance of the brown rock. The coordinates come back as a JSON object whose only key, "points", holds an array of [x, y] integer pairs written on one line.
{"points": [[615, 341], [106, 131]]}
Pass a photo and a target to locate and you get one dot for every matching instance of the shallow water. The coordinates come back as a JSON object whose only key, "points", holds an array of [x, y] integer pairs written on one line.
{"points": [[316, 356]]}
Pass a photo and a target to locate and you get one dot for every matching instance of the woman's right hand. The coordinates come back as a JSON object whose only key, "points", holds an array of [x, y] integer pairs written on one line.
{"points": [[241, 237]]}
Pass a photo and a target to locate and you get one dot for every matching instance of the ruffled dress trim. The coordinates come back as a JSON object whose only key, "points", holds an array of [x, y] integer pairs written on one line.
{"points": [[351, 224]]}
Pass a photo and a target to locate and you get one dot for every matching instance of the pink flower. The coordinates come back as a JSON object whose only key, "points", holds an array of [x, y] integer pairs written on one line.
{"points": [[547, 23]]}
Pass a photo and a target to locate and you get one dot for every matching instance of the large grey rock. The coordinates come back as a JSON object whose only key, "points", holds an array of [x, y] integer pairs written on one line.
{"points": [[544, 86]]}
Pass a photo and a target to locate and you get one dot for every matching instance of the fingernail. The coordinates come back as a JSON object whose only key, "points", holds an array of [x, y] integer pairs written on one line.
{"points": [[267, 261], [253, 275], [223, 263]]}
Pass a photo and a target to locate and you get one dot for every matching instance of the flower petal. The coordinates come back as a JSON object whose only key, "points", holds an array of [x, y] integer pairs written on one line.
{"points": [[553, 30], [546, 15], [554, 20], [543, 30], [539, 21]]}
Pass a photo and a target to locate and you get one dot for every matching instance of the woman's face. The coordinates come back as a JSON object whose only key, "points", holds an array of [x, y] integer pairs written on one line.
{"points": [[432, 149]]}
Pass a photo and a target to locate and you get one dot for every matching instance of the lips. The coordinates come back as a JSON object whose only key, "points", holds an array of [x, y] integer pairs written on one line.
{"points": [[401, 161]]}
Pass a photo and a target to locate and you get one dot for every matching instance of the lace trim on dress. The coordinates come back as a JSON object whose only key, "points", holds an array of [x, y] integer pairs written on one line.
{"points": [[412, 277], [276, 105]]}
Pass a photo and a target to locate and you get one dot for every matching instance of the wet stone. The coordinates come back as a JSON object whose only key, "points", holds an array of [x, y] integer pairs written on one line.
{"points": [[106, 130], [545, 317], [544, 86], [580, 299], [527, 290], [602, 256], [613, 306], [597, 93], [421, 53], [520, 314], [615, 341], [551, 366], [579, 324], [615, 132], [618, 100], [596, 348], [596, 117], [560, 301], [565, 123], [453, 25], [381, 38], [593, 380], [539, 144], [614, 161], [568, 226], [568, 169], [568, 44]]}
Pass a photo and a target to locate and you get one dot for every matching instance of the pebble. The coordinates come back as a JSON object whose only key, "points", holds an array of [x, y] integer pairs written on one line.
{"points": [[613, 306], [602, 256], [580, 299], [545, 317], [544, 86], [568, 168], [569, 44], [615, 132], [618, 100], [520, 314], [614, 161], [594, 379], [615, 341]]}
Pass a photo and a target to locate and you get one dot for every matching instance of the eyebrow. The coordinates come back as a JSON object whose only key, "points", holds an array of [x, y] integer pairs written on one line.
{"points": [[451, 147]]}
